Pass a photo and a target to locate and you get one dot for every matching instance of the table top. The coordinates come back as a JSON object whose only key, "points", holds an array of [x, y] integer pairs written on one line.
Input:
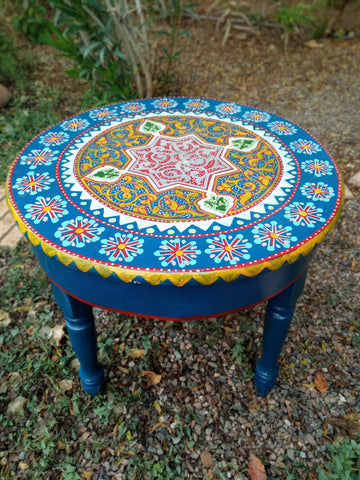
{"points": [[175, 189]]}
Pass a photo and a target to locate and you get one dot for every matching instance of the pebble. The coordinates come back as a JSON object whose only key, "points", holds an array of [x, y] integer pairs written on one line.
{"points": [[4, 96]]}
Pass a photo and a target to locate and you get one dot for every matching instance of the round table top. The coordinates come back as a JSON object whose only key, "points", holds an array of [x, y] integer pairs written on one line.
{"points": [[177, 189]]}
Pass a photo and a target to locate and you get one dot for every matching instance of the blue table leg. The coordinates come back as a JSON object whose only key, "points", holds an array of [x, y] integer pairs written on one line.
{"points": [[80, 324], [279, 312]]}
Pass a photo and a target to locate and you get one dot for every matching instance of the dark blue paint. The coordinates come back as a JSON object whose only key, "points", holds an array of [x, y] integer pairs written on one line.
{"points": [[174, 303]]}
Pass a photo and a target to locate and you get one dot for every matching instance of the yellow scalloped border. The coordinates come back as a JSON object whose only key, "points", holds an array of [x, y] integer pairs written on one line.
{"points": [[178, 279]]}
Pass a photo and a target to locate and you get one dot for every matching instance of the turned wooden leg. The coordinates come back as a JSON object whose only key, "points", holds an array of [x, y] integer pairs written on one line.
{"points": [[279, 312], [80, 324]]}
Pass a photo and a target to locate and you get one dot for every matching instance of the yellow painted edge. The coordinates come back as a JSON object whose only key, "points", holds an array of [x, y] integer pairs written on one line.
{"points": [[178, 279]]}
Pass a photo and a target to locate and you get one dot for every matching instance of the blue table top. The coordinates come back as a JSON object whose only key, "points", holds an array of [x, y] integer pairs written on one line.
{"points": [[175, 189]]}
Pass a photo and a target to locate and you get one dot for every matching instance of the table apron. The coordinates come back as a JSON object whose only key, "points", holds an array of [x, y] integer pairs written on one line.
{"points": [[167, 301]]}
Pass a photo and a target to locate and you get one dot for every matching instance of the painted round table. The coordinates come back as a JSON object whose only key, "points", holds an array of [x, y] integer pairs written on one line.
{"points": [[178, 209]]}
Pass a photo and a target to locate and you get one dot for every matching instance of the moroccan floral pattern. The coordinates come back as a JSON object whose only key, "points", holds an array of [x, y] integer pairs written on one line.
{"points": [[45, 209], [282, 128], [75, 124], [102, 113], [165, 103], [229, 249], [228, 108], [184, 186], [272, 235], [54, 138], [197, 104], [173, 170], [177, 253], [317, 191], [307, 147], [302, 214], [33, 183], [133, 107], [318, 167], [122, 247], [36, 158], [78, 232], [256, 116]]}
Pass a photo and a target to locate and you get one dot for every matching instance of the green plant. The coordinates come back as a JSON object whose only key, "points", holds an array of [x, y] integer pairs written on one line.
{"points": [[32, 19], [109, 43], [174, 13], [345, 464], [291, 17], [240, 351], [14, 65]]}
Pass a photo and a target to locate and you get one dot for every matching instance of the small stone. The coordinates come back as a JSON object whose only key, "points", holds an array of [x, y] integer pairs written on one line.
{"points": [[22, 455], [4, 96], [206, 459], [348, 195], [290, 454], [355, 180]]}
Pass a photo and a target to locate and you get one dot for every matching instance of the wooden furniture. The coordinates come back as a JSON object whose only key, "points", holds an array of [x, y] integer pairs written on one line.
{"points": [[175, 208]]}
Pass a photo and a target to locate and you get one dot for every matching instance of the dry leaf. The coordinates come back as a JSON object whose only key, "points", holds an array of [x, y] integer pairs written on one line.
{"points": [[23, 466], [314, 44], [159, 425], [66, 385], [229, 330], [16, 407], [4, 318], [137, 353], [157, 406], [256, 469], [61, 445], [84, 436], [57, 334], [86, 474], [152, 377], [350, 423], [23, 308], [321, 383], [206, 459]]}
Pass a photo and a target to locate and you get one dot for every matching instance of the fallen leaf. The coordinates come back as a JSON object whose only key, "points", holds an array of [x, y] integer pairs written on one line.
{"points": [[157, 406], [160, 425], [84, 436], [61, 445], [229, 330], [314, 44], [321, 383], [137, 353], [57, 334], [350, 423], [256, 468], [16, 407], [87, 475], [206, 459], [23, 466], [66, 385], [310, 386], [152, 377], [5, 319], [23, 308]]}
